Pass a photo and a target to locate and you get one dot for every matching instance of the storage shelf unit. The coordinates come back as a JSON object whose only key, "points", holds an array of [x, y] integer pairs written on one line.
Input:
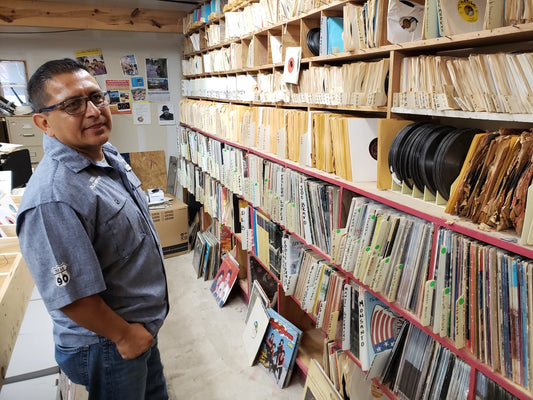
{"points": [[416, 207], [16, 285], [516, 36]]}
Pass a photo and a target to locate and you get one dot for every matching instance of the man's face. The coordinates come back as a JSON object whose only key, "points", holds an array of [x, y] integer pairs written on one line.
{"points": [[86, 132]]}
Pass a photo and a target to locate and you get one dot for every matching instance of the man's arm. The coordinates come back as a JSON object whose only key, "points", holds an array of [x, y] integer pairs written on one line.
{"points": [[95, 315]]}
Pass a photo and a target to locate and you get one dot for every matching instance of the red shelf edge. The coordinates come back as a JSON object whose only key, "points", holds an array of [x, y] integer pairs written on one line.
{"points": [[483, 236], [476, 365]]}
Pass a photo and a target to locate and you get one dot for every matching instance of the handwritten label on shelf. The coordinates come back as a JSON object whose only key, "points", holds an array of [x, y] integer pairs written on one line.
{"points": [[429, 291], [460, 313], [445, 315]]}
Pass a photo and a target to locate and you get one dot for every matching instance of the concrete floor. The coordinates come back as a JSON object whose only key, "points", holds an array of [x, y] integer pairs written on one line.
{"points": [[201, 344], [201, 347]]}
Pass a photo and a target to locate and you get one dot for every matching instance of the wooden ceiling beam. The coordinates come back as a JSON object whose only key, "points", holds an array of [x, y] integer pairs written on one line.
{"points": [[82, 16]]}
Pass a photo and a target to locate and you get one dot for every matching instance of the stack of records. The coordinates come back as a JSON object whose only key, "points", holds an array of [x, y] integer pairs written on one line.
{"points": [[429, 156]]}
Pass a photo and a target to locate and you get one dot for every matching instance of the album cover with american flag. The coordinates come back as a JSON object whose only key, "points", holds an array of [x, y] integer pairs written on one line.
{"points": [[381, 327]]}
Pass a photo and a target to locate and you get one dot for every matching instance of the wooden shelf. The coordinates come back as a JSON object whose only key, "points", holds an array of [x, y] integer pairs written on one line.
{"points": [[502, 35], [504, 117], [518, 36], [507, 240], [419, 208], [16, 285], [311, 346]]}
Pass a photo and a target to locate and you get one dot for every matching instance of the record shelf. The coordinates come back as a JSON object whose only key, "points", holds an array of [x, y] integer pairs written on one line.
{"points": [[421, 209], [293, 31]]}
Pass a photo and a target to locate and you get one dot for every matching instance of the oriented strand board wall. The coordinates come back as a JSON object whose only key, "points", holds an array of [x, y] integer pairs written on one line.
{"points": [[150, 168]]}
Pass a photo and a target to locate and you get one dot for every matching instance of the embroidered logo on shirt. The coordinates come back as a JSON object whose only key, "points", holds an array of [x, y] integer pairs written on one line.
{"points": [[94, 181], [61, 275]]}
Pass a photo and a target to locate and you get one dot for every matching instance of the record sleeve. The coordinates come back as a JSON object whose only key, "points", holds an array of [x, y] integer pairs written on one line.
{"points": [[462, 16], [404, 21]]}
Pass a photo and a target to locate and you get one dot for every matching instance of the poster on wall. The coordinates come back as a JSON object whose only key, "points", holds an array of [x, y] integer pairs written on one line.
{"points": [[141, 113], [157, 79], [166, 114], [119, 95], [93, 60], [138, 94], [129, 65], [138, 81]]}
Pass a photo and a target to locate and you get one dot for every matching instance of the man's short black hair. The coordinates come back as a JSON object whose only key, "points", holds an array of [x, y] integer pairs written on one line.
{"points": [[37, 95]]}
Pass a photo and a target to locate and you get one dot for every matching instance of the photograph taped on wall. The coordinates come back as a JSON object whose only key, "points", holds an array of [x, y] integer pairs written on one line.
{"points": [[93, 60], [128, 64], [157, 79], [166, 114]]}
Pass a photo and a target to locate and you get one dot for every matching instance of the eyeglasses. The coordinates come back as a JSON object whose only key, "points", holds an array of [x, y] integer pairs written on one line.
{"points": [[78, 105]]}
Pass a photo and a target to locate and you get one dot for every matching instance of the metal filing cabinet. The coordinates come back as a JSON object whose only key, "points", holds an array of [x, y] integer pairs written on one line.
{"points": [[21, 130]]}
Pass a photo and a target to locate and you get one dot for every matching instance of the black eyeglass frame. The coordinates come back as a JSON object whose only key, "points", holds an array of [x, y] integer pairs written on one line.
{"points": [[86, 98]]}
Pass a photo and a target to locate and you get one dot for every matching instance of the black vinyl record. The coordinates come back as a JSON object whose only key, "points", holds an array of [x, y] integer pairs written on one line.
{"points": [[406, 153], [396, 148], [429, 156], [313, 41], [418, 139], [451, 155], [426, 161]]}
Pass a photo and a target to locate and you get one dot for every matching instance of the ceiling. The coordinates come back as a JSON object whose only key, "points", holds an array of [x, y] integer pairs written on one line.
{"points": [[164, 16], [174, 5]]}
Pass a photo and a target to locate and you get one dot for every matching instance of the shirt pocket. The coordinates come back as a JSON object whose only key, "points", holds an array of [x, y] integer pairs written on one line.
{"points": [[120, 231]]}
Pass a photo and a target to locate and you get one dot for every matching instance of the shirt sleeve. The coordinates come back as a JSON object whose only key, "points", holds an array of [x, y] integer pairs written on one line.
{"points": [[58, 251]]}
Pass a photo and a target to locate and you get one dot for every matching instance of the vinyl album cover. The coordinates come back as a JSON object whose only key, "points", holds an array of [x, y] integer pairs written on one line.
{"points": [[225, 279], [318, 385], [255, 329], [291, 70], [256, 272], [462, 16], [199, 254], [404, 21], [379, 330], [278, 349]]}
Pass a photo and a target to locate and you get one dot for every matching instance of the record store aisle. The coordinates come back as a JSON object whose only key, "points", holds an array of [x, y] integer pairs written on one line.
{"points": [[202, 348]]}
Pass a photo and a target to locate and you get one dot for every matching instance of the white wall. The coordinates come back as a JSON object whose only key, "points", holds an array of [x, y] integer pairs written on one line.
{"points": [[36, 46]]}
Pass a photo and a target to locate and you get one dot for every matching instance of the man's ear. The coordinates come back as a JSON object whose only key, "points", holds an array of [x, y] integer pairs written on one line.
{"points": [[41, 121]]}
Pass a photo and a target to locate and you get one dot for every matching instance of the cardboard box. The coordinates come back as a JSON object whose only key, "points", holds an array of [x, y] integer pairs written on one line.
{"points": [[172, 226]]}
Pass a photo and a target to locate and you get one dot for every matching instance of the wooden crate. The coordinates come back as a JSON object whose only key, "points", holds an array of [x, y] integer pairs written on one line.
{"points": [[16, 286]]}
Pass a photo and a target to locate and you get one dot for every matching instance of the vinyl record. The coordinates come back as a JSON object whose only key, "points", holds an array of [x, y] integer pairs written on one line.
{"points": [[412, 153], [404, 21], [396, 147], [450, 157], [406, 153], [440, 159], [426, 161], [462, 16], [425, 154], [313, 41]]}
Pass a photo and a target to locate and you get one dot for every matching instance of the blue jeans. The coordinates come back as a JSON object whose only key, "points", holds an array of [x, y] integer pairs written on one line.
{"points": [[106, 375]]}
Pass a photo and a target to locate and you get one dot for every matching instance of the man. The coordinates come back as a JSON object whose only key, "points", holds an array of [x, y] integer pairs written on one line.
{"points": [[86, 234], [167, 115]]}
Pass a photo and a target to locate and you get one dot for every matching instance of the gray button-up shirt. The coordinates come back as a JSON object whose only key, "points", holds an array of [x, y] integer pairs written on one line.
{"points": [[86, 229]]}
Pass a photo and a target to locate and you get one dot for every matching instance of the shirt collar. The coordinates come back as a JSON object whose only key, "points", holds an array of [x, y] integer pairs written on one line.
{"points": [[70, 157]]}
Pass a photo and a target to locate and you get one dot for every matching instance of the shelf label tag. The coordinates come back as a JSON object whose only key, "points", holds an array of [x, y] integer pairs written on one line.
{"points": [[445, 315], [427, 305], [460, 312]]}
